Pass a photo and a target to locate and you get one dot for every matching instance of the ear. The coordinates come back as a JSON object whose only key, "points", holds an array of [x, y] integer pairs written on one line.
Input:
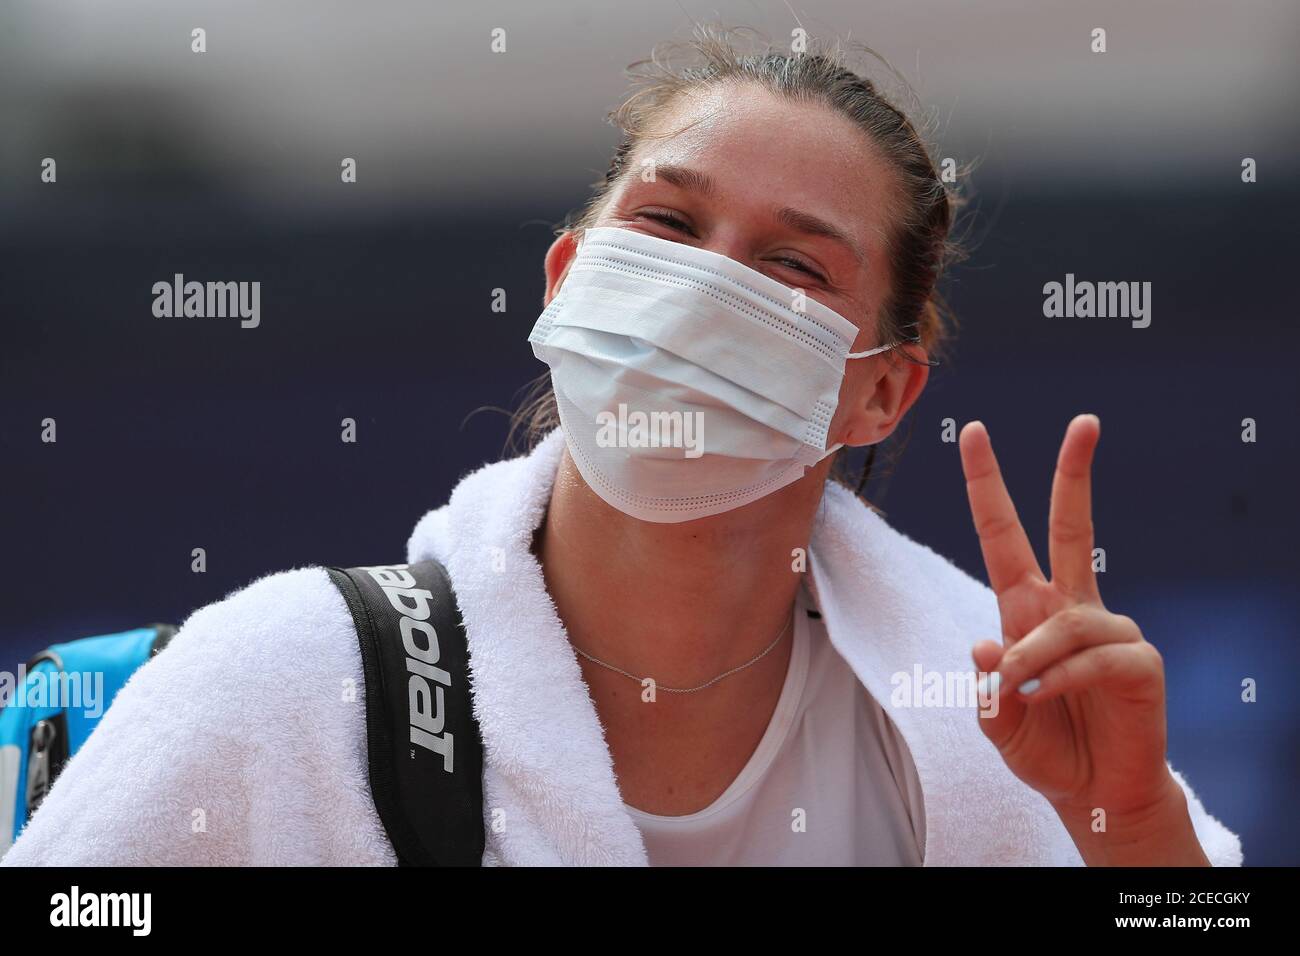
{"points": [[558, 259], [883, 394]]}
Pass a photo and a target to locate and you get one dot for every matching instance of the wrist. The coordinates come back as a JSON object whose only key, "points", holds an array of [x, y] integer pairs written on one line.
{"points": [[1157, 832]]}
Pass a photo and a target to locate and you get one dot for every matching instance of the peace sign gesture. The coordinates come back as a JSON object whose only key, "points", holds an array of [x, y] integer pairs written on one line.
{"points": [[1081, 706]]}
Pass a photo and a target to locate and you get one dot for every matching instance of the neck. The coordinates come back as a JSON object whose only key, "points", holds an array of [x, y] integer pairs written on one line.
{"points": [[680, 603]]}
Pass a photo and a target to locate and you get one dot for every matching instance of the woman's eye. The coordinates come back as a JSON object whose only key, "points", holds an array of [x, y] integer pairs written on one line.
{"points": [[802, 267], [669, 220]]}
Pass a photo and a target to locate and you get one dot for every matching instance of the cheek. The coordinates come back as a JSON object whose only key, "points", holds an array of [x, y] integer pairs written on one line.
{"points": [[855, 390]]}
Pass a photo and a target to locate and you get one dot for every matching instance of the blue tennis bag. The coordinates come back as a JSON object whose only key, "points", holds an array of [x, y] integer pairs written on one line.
{"points": [[407, 622], [53, 705]]}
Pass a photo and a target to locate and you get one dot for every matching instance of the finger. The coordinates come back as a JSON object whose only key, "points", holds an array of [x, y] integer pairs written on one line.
{"points": [[1062, 635], [1007, 552], [987, 654], [999, 715], [1070, 533], [1113, 666]]}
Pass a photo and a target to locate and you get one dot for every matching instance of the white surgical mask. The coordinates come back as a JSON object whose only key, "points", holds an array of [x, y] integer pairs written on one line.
{"points": [[687, 383]]}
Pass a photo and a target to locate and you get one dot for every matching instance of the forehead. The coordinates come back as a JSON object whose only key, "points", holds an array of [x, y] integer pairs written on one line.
{"points": [[770, 150]]}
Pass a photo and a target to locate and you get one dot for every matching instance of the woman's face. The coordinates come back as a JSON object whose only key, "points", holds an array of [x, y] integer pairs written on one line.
{"points": [[792, 190]]}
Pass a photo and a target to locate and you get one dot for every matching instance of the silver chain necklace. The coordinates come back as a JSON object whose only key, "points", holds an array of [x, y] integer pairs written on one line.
{"points": [[691, 690]]}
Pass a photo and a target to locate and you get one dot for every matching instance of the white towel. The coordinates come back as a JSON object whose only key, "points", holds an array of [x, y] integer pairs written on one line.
{"points": [[245, 742]]}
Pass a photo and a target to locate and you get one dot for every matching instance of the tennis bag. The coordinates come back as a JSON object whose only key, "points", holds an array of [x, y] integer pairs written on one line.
{"points": [[424, 748]]}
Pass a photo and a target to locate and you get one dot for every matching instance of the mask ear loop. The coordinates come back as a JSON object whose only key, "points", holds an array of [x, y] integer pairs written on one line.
{"points": [[870, 352], [911, 340]]}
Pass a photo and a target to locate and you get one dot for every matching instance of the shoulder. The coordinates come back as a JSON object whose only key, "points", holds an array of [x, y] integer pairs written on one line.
{"points": [[282, 647], [279, 652], [280, 617]]}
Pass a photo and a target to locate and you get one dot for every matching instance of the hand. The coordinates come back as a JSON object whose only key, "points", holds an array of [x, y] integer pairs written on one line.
{"points": [[1081, 709]]}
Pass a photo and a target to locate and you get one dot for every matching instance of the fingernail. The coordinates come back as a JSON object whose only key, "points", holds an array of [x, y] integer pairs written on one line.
{"points": [[1031, 685]]}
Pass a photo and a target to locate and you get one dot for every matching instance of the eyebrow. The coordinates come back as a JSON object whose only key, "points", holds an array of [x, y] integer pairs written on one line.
{"points": [[695, 181]]}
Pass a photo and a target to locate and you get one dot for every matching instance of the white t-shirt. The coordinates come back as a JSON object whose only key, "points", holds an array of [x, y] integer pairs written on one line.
{"points": [[829, 751]]}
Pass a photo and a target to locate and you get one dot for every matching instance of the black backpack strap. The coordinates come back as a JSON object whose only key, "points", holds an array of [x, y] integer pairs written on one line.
{"points": [[426, 755]]}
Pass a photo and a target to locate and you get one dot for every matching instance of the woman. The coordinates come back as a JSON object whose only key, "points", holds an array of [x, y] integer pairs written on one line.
{"points": [[688, 646]]}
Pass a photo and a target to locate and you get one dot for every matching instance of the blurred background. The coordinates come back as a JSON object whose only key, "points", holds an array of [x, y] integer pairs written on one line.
{"points": [[182, 433]]}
